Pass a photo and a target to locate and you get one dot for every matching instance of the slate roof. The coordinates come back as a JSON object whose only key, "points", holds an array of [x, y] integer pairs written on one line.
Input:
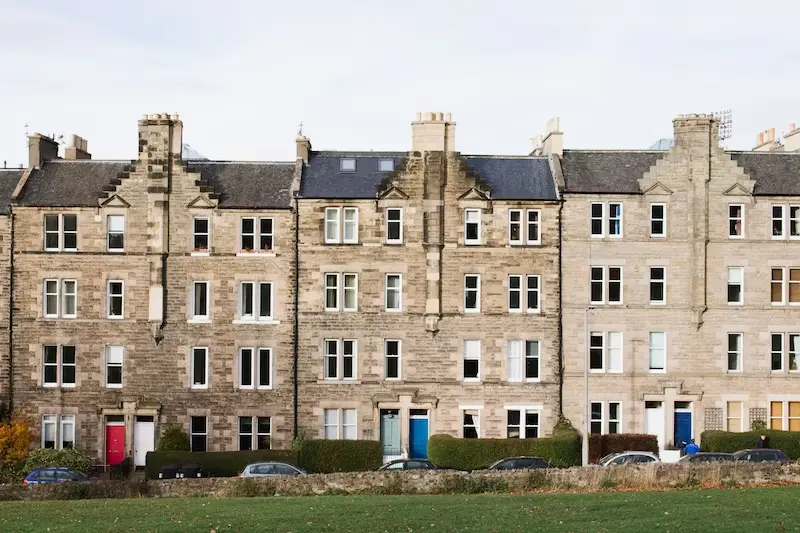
{"points": [[515, 178], [322, 177], [249, 185], [62, 183], [509, 178], [8, 182], [776, 173], [587, 171]]}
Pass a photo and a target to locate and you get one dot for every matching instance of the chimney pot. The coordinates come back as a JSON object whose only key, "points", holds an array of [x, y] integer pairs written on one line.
{"points": [[791, 126], [771, 134], [427, 117], [419, 117], [144, 116], [448, 117]]}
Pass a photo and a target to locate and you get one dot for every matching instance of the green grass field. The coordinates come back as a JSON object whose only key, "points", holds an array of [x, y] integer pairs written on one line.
{"points": [[736, 510]]}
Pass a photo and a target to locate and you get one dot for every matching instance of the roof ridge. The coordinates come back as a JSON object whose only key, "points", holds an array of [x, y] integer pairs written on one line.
{"points": [[493, 156], [615, 150], [235, 162]]}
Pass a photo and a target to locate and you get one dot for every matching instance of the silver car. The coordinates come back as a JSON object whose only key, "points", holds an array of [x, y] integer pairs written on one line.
{"points": [[271, 469], [629, 458]]}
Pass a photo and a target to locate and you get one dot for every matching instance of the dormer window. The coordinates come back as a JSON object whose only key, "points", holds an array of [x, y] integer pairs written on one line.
{"points": [[385, 165], [347, 164]]}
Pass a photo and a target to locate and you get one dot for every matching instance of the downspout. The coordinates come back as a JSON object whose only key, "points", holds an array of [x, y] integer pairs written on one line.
{"points": [[560, 314], [296, 324], [11, 313]]}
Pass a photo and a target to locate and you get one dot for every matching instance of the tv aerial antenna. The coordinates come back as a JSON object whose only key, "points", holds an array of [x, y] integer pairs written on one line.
{"points": [[725, 121]]}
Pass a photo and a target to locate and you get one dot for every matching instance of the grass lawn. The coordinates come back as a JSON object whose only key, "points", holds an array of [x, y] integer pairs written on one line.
{"points": [[739, 510]]}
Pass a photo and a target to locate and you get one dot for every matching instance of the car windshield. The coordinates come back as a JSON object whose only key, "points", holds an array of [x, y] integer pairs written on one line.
{"points": [[740, 454], [607, 457]]}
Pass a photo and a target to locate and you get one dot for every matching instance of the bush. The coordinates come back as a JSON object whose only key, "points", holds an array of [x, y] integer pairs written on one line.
{"points": [[69, 458], [215, 464], [94, 490], [121, 470], [326, 456], [602, 445], [16, 436], [173, 439], [562, 450], [723, 441]]}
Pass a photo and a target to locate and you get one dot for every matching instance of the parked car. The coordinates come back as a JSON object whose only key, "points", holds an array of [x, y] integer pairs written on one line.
{"points": [[629, 458], [706, 457], [409, 464], [53, 474], [760, 455], [519, 463], [271, 469]]}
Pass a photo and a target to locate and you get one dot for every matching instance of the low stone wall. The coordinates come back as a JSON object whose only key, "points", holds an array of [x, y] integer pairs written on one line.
{"points": [[594, 478]]}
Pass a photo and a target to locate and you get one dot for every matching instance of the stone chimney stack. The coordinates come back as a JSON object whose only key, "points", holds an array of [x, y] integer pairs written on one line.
{"points": [[41, 148], [433, 132], [696, 132], [303, 148], [553, 142], [78, 149], [791, 139], [160, 138]]}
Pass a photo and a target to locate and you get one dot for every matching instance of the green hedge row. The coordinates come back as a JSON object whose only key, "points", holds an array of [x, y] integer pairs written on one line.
{"points": [[723, 441], [215, 464], [314, 456], [561, 450], [325, 456], [602, 445]]}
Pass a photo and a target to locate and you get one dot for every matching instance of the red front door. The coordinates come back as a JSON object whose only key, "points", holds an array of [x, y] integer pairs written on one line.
{"points": [[115, 444]]}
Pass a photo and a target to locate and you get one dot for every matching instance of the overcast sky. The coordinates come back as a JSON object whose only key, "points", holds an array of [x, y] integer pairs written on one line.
{"points": [[242, 75]]}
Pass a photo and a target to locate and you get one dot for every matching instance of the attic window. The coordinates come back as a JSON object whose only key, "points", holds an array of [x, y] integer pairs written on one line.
{"points": [[347, 165], [385, 165]]}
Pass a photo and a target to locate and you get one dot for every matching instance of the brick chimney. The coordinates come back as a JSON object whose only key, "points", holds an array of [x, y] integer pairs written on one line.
{"points": [[433, 132], [78, 149], [41, 148], [303, 148]]}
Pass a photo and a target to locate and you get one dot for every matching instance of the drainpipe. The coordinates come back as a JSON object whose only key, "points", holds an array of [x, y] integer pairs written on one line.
{"points": [[295, 322], [560, 315], [11, 313]]}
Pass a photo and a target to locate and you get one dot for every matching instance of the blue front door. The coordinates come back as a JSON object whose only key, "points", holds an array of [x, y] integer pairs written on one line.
{"points": [[683, 428], [419, 438]]}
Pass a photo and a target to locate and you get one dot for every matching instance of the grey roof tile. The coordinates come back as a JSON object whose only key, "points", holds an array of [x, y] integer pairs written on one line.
{"points": [[323, 178], [609, 172], [515, 178], [244, 185], [62, 183], [775, 173], [8, 182]]}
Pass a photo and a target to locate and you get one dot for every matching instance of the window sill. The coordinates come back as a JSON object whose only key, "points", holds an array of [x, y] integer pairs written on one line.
{"points": [[341, 381], [116, 251], [471, 381], [658, 304], [393, 310], [596, 371], [200, 254], [734, 372], [472, 311], [113, 386], [198, 387], [533, 311], [525, 381], [115, 317], [736, 237], [199, 321], [653, 371], [256, 254], [256, 322], [393, 243], [253, 389]]}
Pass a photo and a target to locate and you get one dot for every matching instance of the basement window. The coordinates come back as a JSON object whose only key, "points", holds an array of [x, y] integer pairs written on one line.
{"points": [[347, 165]]}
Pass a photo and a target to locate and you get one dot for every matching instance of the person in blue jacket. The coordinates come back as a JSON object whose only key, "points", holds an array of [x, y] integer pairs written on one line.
{"points": [[692, 448]]}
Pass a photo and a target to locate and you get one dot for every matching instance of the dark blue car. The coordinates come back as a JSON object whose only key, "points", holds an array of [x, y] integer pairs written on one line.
{"points": [[53, 474]]}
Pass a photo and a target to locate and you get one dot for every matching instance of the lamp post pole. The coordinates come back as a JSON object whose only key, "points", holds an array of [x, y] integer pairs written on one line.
{"points": [[585, 447]]}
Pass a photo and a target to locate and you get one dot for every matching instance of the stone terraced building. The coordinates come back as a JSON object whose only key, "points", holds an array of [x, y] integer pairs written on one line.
{"points": [[395, 295]]}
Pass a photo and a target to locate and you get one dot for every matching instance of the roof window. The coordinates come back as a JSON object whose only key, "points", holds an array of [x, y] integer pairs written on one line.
{"points": [[385, 165], [347, 164]]}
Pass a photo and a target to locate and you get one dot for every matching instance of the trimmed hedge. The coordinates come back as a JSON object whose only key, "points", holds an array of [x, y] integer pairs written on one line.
{"points": [[723, 441], [325, 456], [602, 445], [561, 450], [215, 464]]}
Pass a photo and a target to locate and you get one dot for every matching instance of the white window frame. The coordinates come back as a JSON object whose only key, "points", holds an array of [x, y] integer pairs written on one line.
{"points": [[257, 313], [476, 421], [399, 222], [735, 283], [353, 222], [612, 219], [60, 231], [193, 433], [110, 233], [339, 425], [332, 229], [66, 294], [326, 278], [780, 219], [790, 353], [515, 290], [58, 422], [345, 289], [387, 289], [601, 281], [517, 355], [466, 356], [605, 283], [662, 282], [254, 434], [651, 348], [737, 352], [740, 418], [781, 351], [536, 290], [733, 219], [477, 290], [339, 357], [606, 420], [478, 222], [202, 317], [257, 235], [347, 164], [791, 220], [522, 426], [254, 366], [594, 335], [614, 420], [593, 420], [783, 283], [250, 364], [383, 163], [515, 223], [107, 352], [196, 234], [192, 384], [654, 219], [59, 366], [110, 297], [538, 223], [386, 357], [615, 349], [593, 218]]}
